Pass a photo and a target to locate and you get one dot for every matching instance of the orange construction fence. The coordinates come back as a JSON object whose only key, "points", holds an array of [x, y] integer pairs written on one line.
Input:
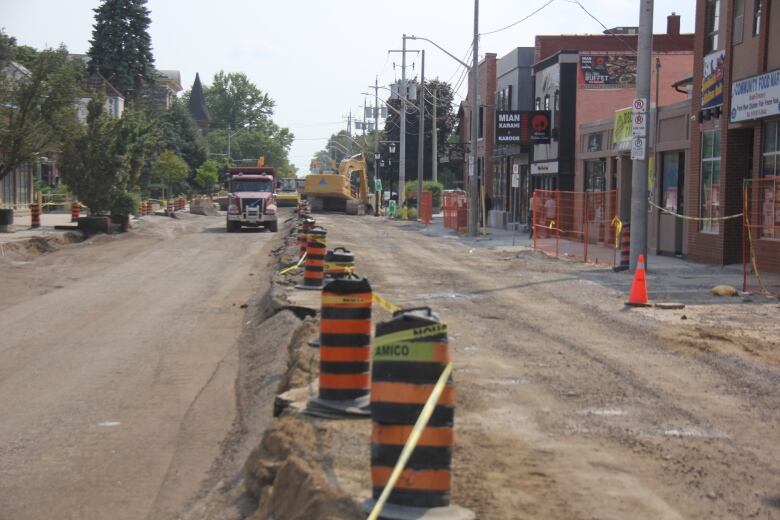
{"points": [[761, 236], [456, 209], [576, 225]]}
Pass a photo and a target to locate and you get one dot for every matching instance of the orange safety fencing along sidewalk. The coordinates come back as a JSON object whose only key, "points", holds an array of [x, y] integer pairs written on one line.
{"points": [[576, 225], [761, 236], [456, 209]]}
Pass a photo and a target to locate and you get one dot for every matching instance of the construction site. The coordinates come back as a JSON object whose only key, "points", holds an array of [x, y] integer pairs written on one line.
{"points": [[286, 384]]}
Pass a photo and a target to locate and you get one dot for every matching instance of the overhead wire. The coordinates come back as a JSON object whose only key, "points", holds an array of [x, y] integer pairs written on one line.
{"points": [[526, 17]]}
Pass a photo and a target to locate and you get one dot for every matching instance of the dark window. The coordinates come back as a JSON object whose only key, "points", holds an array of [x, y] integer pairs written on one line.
{"points": [[481, 122], [756, 17], [710, 182], [557, 101], [713, 24], [770, 160], [739, 20]]}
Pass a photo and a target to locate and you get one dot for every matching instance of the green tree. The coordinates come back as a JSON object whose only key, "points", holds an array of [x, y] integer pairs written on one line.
{"points": [[36, 108], [121, 48], [137, 135], [234, 101], [92, 164], [168, 169], [207, 176]]}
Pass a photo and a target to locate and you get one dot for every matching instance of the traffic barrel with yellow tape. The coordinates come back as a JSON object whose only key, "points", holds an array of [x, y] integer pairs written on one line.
{"points": [[409, 354], [314, 268], [75, 211], [345, 349], [35, 215], [339, 263], [625, 248]]}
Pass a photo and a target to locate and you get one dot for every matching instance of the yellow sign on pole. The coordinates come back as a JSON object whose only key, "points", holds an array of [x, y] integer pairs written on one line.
{"points": [[621, 131]]}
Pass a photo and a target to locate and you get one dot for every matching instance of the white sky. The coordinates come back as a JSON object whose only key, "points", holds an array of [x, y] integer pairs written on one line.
{"points": [[316, 57]]}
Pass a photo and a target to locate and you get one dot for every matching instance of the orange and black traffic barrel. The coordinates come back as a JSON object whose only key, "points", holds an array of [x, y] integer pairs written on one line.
{"points": [[339, 263], [625, 248], [345, 340], [409, 354], [35, 215], [304, 227], [75, 211], [314, 269]]}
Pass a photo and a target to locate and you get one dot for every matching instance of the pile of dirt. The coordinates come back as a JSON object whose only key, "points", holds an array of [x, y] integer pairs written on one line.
{"points": [[28, 248]]}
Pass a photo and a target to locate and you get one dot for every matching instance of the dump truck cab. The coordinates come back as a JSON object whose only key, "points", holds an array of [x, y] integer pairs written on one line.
{"points": [[251, 198]]}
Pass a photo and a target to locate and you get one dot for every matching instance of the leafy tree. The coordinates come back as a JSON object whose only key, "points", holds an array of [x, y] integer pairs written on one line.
{"points": [[92, 164], [137, 135], [121, 48], [206, 176], [234, 101], [168, 169], [37, 109], [180, 134]]}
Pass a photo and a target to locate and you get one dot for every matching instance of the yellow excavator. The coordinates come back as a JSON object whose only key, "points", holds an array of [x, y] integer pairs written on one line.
{"points": [[345, 190]]}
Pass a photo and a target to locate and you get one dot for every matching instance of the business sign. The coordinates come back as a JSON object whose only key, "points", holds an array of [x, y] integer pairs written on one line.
{"points": [[624, 121], [712, 80], [509, 124], [607, 70], [522, 127], [756, 97], [543, 168]]}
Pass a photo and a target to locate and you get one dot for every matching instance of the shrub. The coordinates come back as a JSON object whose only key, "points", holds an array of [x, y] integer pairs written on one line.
{"points": [[434, 187], [125, 203]]}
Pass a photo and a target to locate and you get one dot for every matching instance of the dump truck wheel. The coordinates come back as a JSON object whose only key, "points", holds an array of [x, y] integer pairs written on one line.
{"points": [[273, 226]]}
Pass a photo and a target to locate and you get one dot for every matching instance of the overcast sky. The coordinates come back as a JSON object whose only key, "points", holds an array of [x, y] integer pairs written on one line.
{"points": [[316, 57]]}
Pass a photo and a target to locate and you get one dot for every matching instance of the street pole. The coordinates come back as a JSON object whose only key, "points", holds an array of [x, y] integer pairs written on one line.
{"points": [[473, 181], [434, 144], [421, 138], [377, 195], [228, 140], [402, 153], [639, 173]]}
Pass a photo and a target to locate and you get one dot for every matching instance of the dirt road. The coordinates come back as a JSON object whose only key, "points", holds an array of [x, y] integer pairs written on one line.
{"points": [[118, 362], [570, 406]]}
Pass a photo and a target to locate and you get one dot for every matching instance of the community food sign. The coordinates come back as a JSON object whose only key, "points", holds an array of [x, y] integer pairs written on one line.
{"points": [[756, 97], [712, 80]]}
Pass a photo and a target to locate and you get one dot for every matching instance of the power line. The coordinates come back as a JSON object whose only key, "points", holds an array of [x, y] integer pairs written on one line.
{"points": [[577, 2], [519, 21]]}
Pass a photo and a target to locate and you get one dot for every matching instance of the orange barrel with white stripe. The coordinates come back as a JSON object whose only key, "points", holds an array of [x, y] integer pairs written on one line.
{"points": [[75, 211], [35, 215], [141, 208], [169, 206], [625, 248], [305, 226], [316, 248], [409, 353], [339, 263], [345, 340]]}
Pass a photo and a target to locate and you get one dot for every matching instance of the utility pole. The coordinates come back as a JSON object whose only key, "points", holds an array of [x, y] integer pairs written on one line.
{"points": [[378, 201], [434, 143], [639, 173], [421, 139], [228, 140], [402, 153], [473, 179]]}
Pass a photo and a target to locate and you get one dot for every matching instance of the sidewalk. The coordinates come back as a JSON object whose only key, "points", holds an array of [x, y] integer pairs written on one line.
{"points": [[669, 279]]}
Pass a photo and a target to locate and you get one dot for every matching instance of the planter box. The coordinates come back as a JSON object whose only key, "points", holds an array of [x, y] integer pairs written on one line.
{"points": [[121, 223], [6, 221], [95, 225]]}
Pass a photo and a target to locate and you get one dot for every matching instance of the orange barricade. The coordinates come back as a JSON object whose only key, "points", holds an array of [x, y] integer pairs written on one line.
{"points": [[455, 210], [426, 207], [575, 225], [761, 236]]}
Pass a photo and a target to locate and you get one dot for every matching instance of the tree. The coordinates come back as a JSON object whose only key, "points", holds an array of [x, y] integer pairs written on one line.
{"points": [[36, 108], [234, 101], [121, 48], [206, 177], [168, 169], [137, 136], [92, 164]]}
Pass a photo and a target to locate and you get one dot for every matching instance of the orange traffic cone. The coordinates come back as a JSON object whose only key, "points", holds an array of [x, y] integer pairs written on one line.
{"points": [[638, 295]]}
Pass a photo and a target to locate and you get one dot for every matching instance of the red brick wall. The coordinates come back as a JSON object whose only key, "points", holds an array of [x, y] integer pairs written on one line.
{"points": [[548, 45]]}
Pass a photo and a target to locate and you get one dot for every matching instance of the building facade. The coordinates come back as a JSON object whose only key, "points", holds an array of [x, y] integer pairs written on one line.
{"points": [[734, 141], [514, 91]]}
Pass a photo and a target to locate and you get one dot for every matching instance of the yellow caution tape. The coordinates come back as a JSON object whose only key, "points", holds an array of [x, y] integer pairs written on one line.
{"points": [[686, 217], [295, 266], [386, 305], [426, 331], [618, 225], [411, 443]]}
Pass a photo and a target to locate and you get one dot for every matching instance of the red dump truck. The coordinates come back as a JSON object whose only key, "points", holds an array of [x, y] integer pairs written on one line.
{"points": [[251, 198]]}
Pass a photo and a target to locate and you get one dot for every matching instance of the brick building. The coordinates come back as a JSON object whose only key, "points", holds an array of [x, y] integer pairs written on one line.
{"points": [[486, 138], [736, 103]]}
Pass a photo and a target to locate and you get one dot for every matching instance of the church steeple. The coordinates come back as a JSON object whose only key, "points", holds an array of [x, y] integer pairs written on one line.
{"points": [[197, 106]]}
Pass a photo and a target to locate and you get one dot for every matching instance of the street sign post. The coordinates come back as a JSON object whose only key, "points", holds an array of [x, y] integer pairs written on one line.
{"points": [[638, 149], [515, 180], [639, 125]]}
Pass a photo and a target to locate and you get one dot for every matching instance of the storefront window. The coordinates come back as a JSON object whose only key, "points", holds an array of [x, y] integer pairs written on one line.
{"points": [[595, 175], [671, 181], [710, 182], [769, 190]]}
